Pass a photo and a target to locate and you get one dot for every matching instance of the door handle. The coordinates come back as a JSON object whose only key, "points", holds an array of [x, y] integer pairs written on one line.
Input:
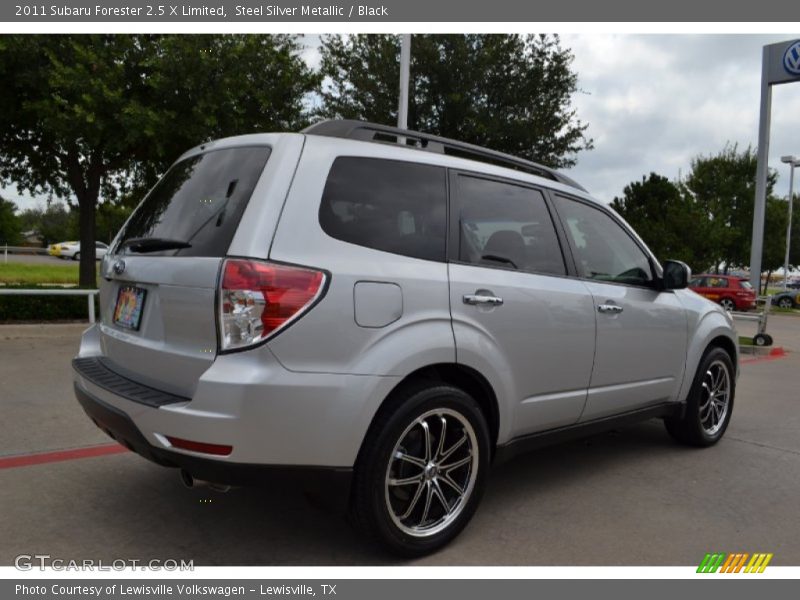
{"points": [[476, 299], [614, 309]]}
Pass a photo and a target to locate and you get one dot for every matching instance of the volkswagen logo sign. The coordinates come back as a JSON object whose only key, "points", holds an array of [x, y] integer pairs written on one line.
{"points": [[791, 59], [119, 267]]}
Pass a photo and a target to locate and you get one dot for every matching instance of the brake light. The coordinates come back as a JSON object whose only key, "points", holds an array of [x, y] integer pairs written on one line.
{"points": [[259, 298]]}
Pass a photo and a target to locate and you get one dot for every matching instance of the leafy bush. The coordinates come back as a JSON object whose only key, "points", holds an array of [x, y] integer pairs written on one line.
{"points": [[43, 308]]}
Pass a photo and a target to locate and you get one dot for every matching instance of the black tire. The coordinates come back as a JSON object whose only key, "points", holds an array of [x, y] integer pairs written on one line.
{"points": [[762, 339], [786, 303], [727, 304], [76, 256], [690, 429], [374, 499]]}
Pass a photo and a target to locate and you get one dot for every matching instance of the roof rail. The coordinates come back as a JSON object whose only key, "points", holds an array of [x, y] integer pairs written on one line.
{"points": [[374, 132]]}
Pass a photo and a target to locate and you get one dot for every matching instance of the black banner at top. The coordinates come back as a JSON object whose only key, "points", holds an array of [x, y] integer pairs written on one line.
{"points": [[439, 11]]}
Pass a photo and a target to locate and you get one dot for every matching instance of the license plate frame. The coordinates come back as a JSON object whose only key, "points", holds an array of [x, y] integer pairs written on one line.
{"points": [[129, 307]]}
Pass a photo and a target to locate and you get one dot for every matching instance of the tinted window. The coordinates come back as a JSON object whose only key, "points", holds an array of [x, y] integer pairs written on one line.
{"points": [[387, 205], [506, 225], [199, 201], [603, 249]]}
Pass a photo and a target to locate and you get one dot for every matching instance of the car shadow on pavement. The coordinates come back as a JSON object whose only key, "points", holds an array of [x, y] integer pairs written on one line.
{"points": [[122, 507]]}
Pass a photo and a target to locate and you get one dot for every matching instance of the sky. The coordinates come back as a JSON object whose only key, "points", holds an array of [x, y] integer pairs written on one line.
{"points": [[653, 102]]}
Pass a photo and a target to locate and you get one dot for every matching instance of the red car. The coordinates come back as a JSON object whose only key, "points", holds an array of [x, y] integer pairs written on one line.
{"points": [[732, 293]]}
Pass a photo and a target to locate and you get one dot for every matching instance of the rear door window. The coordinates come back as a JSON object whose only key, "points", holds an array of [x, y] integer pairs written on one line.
{"points": [[393, 206], [506, 225], [199, 201]]}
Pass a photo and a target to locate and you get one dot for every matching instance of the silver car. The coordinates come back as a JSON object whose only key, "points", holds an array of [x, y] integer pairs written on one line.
{"points": [[384, 314]]}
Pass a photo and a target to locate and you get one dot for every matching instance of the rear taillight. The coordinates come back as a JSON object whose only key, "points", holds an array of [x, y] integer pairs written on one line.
{"points": [[257, 299]]}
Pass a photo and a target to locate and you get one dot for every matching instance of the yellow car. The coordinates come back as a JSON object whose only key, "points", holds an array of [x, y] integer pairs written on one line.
{"points": [[57, 250], [73, 250]]}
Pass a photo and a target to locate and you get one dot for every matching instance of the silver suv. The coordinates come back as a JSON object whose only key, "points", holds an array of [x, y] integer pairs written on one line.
{"points": [[385, 314]]}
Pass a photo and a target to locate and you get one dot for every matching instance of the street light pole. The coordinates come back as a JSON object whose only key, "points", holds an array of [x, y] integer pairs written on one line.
{"points": [[792, 162], [405, 68]]}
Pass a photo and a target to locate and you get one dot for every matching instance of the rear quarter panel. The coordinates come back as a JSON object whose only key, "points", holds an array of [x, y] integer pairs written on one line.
{"points": [[328, 339]]}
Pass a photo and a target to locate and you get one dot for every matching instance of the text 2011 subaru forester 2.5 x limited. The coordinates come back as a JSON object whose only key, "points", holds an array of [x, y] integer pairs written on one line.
{"points": [[387, 313]]}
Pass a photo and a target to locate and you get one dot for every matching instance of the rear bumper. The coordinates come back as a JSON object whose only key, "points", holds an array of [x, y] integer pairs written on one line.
{"points": [[333, 483], [747, 304], [271, 417]]}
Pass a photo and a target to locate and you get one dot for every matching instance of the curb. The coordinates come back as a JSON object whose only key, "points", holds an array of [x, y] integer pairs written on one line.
{"points": [[762, 350]]}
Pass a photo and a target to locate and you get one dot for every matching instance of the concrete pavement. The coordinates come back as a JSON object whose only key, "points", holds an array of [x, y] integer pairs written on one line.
{"points": [[630, 497]]}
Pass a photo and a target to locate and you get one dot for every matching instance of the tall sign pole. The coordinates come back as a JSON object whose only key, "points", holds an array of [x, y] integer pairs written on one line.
{"points": [[759, 210], [780, 63], [405, 68]]}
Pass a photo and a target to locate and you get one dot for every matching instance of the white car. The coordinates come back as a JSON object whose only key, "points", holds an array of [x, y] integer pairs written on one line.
{"points": [[73, 250]]}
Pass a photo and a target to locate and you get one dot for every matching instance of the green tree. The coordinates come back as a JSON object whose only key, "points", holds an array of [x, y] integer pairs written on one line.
{"points": [[671, 223], [774, 250], [85, 118], [110, 219], [56, 223], [723, 185], [10, 226], [512, 93]]}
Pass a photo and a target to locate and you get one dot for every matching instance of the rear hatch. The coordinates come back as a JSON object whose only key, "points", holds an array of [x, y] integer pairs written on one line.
{"points": [[159, 289], [746, 290]]}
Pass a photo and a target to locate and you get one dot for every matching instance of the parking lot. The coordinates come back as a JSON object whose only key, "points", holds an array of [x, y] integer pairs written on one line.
{"points": [[630, 497]]}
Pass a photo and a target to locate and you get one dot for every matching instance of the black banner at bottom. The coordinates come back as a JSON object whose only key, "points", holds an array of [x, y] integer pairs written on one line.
{"points": [[733, 588]]}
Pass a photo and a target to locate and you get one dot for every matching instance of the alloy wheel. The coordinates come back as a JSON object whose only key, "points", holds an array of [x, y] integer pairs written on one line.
{"points": [[431, 472], [715, 400]]}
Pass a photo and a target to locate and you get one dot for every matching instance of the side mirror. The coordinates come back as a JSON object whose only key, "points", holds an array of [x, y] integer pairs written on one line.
{"points": [[676, 275]]}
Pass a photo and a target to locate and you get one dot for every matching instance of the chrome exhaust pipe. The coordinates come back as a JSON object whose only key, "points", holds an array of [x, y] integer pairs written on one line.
{"points": [[186, 478], [191, 482]]}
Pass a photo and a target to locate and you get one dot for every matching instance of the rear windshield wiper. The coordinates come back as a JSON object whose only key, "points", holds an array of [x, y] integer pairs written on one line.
{"points": [[153, 244]]}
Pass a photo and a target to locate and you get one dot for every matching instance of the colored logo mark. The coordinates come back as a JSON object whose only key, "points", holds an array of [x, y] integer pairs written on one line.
{"points": [[791, 59], [740, 562]]}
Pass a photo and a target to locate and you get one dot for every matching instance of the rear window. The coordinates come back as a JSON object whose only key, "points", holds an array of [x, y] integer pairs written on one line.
{"points": [[387, 205], [745, 284], [199, 201]]}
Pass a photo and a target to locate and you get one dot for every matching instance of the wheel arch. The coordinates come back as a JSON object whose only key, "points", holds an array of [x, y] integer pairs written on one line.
{"points": [[461, 376], [712, 329], [726, 344]]}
